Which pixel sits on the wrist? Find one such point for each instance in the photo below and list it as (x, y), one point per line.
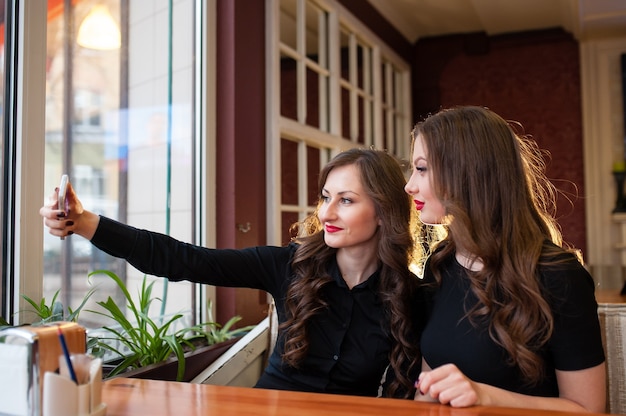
(484, 396)
(88, 225)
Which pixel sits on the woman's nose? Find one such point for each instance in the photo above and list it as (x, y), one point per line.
(327, 212)
(410, 187)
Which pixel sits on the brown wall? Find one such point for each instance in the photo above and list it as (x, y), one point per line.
(532, 78)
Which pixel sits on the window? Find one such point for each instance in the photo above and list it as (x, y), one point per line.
(332, 85)
(121, 120)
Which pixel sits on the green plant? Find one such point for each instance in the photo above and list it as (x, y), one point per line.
(3, 323)
(148, 340)
(54, 311)
(214, 332)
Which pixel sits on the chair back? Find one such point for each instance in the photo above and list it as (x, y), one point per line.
(242, 364)
(613, 323)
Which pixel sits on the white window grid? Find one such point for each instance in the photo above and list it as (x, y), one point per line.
(378, 110)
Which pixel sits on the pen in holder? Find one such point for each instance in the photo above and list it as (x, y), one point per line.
(62, 396)
(66, 355)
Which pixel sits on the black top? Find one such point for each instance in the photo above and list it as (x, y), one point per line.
(575, 344)
(349, 342)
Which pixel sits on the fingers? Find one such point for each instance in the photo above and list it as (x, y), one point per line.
(456, 393)
(464, 399)
(50, 210)
(429, 382)
(58, 226)
(55, 219)
(448, 385)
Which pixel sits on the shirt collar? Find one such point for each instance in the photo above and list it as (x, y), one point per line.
(371, 282)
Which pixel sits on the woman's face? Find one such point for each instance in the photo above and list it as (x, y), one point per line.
(419, 186)
(347, 213)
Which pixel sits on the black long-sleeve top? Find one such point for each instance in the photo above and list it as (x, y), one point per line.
(349, 341)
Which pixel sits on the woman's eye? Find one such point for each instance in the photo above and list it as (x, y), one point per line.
(324, 198)
(421, 169)
(346, 201)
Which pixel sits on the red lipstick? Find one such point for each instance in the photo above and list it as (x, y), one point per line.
(331, 228)
(418, 204)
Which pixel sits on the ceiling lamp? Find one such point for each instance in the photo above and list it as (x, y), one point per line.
(99, 31)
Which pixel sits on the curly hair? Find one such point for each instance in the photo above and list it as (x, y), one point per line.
(383, 180)
(500, 208)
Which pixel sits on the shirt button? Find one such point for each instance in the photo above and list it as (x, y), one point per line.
(335, 357)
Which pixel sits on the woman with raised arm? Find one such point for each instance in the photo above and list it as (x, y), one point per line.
(342, 288)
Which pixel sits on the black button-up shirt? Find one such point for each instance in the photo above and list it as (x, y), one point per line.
(349, 342)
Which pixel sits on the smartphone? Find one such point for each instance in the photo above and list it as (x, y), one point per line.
(62, 194)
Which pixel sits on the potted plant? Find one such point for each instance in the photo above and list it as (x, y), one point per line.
(54, 312)
(149, 348)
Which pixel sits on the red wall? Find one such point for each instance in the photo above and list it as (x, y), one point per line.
(240, 147)
(532, 78)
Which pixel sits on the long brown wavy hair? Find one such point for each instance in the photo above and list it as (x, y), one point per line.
(500, 209)
(383, 181)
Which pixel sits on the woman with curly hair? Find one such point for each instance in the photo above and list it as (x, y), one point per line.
(342, 288)
(513, 320)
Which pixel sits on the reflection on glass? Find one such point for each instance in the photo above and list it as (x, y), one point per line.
(113, 125)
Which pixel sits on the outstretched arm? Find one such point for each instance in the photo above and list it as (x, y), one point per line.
(581, 390)
(154, 253)
(75, 220)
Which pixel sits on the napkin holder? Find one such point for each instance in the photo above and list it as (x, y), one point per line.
(63, 397)
(26, 354)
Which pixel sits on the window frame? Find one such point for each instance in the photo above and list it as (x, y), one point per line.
(280, 127)
(24, 263)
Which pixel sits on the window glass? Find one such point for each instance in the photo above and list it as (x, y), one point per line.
(119, 114)
(395, 117)
(300, 167)
(304, 63)
(357, 92)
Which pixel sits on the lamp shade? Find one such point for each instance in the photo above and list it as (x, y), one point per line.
(98, 30)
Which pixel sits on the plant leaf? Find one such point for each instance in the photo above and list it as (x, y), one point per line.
(73, 314)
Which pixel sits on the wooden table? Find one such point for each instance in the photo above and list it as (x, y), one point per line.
(126, 397)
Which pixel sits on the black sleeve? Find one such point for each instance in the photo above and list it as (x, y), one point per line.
(576, 342)
(264, 268)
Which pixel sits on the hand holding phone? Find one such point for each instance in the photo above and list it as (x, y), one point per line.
(62, 194)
